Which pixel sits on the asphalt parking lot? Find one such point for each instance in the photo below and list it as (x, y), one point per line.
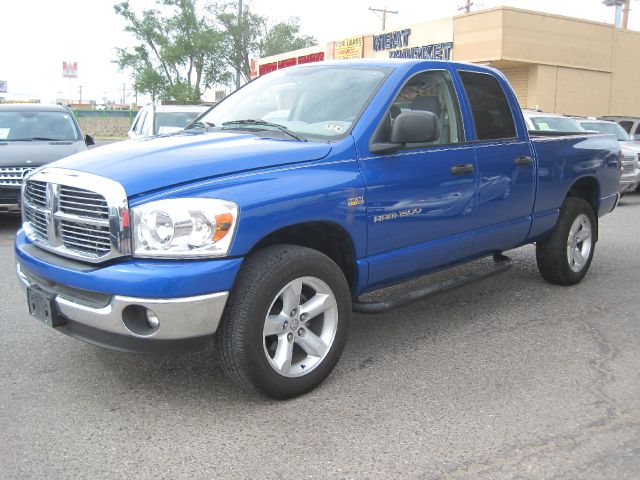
(509, 377)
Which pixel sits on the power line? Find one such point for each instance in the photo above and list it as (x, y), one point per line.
(384, 12)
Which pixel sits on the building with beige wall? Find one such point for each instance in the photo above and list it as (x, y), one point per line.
(557, 64)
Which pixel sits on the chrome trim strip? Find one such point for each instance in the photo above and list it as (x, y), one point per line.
(180, 318)
(113, 193)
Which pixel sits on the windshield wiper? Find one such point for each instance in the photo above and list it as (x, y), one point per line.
(200, 124)
(262, 123)
(44, 139)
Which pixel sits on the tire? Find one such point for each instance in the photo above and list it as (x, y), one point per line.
(284, 354)
(565, 256)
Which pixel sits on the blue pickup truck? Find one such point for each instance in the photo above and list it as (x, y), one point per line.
(261, 226)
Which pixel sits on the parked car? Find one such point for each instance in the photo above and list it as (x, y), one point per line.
(32, 135)
(630, 179)
(154, 120)
(546, 122)
(262, 237)
(631, 125)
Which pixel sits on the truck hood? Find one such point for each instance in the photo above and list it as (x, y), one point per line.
(630, 146)
(154, 163)
(36, 153)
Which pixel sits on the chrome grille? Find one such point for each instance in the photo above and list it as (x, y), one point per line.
(38, 221)
(629, 167)
(62, 216)
(83, 203)
(36, 193)
(94, 241)
(13, 176)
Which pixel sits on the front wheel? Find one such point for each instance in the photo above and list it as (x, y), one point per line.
(565, 256)
(286, 321)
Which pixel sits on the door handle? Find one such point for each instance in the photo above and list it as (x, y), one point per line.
(462, 169)
(523, 161)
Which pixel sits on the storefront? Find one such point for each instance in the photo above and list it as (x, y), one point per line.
(556, 64)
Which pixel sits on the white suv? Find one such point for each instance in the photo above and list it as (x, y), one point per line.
(163, 119)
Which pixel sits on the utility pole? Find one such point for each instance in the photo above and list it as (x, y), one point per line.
(467, 7)
(239, 45)
(123, 88)
(625, 14)
(384, 12)
(80, 93)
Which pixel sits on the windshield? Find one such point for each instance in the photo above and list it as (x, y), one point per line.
(607, 127)
(309, 101)
(169, 122)
(556, 124)
(30, 125)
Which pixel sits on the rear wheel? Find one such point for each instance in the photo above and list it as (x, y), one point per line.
(565, 256)
(286, 321)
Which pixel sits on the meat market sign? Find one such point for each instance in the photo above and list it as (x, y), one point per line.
(397, 43)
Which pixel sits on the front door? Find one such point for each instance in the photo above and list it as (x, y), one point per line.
(421, 201)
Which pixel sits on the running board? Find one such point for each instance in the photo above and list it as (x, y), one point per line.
(501, 264)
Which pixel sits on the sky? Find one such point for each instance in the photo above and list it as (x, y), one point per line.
(38, 35)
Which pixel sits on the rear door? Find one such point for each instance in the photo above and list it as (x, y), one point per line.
(421, 199)
(505, 163)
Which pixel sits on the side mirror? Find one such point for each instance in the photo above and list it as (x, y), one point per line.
(417, 126)
(88, 139)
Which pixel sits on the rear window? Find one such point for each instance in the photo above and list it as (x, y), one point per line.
(626, 125)
(33, 125)
(492, 115)
(556, 124)
(607, 127)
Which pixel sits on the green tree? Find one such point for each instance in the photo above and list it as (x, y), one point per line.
(178, 54)
(253, 38)
(284, 37)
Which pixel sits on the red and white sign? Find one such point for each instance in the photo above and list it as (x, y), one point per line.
(289, 62)
(70, 70)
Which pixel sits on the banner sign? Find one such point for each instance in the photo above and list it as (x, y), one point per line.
(70, 70)
(289, 62)
(348, 48)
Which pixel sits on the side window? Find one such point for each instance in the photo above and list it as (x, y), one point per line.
(637, 132)
(140, 123)
(626, 125)
(491, 112)
(433, 92)
(136, 121)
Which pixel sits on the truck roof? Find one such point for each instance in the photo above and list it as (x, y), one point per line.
(32, 107)
(397, 63)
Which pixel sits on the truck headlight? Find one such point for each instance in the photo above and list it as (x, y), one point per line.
(183, 228)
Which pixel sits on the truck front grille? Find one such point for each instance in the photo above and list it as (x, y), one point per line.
(38, 221)
(77, 201)
(61, 216)
(629, 167)
(13, 176)
(94, 241)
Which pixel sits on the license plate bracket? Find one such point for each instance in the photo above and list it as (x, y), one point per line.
(43, 307)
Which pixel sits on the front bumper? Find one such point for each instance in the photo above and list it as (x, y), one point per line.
(629, 181)
(9, 199)
(118, 322)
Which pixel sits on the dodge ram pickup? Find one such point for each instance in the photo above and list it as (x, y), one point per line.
(261, 226)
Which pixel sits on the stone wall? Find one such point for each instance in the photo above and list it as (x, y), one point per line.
(104, 126)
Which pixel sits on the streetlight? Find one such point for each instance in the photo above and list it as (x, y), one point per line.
(622, 17)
